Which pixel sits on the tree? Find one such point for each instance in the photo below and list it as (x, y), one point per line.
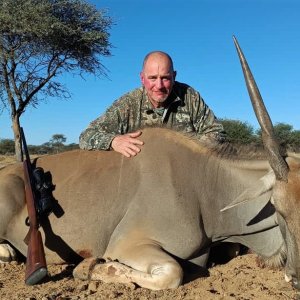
(239, 132)
(295, 140)
(57, 142)
(286, 135)
(40, 40)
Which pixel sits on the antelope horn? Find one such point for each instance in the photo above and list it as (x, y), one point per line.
(276, 161)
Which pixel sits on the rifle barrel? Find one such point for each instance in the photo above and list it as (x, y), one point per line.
(36, 267)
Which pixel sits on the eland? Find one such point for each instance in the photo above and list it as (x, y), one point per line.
(149, 219)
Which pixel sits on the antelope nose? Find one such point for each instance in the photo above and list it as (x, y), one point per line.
(296, 283)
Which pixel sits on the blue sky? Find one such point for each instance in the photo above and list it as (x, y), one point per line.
(198, 35)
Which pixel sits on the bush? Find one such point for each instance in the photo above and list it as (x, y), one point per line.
(239, 132)
(7, 147)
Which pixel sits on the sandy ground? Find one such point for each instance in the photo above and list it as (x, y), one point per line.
(241, 278)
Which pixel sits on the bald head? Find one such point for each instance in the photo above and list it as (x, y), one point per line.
(158, 56)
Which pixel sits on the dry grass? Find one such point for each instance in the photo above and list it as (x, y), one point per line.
(7, 160)
(10, 159)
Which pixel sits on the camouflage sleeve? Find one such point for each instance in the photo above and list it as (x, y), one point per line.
(101, 132)
(95, 137)
(204, 120)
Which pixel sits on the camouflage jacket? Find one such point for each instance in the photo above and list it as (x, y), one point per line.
(186, 112)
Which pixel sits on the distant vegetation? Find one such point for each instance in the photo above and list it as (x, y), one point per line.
(238, 132)
(55, 145)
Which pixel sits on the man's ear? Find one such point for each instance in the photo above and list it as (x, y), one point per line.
(142, 77)
(174, 75)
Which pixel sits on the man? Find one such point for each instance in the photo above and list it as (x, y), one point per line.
(160, 101)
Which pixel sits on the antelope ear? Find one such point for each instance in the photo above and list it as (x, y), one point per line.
(265, 184)
(293, 161)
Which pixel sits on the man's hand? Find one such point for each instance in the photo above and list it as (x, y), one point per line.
(127, 144)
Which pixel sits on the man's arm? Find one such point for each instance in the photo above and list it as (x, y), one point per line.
(99, 134)
(205, 122)
(110, 132)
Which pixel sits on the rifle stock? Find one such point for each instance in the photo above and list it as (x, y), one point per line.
(36, 267)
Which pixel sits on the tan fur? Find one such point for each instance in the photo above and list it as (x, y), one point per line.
(143, 213)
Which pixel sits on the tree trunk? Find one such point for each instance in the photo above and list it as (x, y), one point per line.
(17, 136)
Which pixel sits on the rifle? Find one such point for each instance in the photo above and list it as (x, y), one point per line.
(36, 267)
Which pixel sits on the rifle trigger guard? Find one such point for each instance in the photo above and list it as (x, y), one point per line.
(27, 223)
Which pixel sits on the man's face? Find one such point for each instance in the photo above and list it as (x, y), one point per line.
(158, 79)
